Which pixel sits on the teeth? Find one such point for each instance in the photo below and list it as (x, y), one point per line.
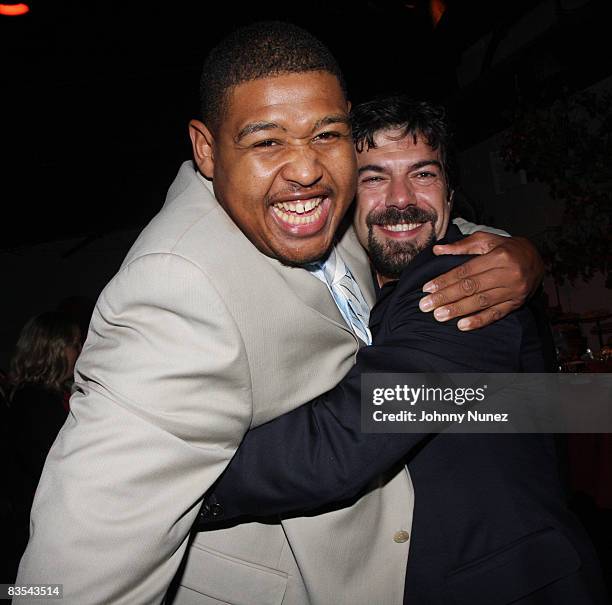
(402, 226)
(282, 210)
(294, 219)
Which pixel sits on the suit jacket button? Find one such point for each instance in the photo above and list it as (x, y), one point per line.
(401, 536)
(205, 512)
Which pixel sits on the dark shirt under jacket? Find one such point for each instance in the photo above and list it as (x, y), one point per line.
(490, 525)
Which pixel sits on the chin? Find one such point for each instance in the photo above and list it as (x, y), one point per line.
(299, 258)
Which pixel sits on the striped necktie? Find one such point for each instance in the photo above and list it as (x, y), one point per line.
(347, 295)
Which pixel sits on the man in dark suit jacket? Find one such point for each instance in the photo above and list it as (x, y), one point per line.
(490, 524)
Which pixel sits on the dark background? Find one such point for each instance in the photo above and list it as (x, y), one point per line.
(96, 95)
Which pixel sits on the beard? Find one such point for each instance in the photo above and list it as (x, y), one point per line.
(391, 257)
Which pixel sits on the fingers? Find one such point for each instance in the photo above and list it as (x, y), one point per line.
(476, 293)
(516, 254)
(486, 317)
(458, 291)
(476, 303)
(469, 275)
(480, 242)
(487, 287)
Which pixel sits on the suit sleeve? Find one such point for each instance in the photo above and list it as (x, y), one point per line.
(317, 454)
(162, 401)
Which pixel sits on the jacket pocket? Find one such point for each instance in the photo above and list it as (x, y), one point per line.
(230, 580)
(515, 571)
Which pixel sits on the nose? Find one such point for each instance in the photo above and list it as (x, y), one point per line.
(400, 193)
(302, 166)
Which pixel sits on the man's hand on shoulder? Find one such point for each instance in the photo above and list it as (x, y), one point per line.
(486, 288)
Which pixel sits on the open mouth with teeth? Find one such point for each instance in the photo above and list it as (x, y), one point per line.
(401, 227)
(401, 230)
(302, 217)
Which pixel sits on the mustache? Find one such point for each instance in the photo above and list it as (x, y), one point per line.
(392, 216)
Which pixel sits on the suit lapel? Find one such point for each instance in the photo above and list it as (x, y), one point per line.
(312, 292)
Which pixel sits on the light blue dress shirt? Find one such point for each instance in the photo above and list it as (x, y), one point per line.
(349, 299)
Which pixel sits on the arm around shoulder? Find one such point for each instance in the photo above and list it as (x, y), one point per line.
(317, 454)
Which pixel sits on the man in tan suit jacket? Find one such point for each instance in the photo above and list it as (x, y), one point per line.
(204, 333)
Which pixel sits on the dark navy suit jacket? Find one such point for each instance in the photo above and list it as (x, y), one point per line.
(490, 525)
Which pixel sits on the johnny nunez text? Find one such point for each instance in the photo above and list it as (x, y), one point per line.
(459, 417)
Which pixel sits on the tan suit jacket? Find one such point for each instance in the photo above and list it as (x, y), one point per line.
(196, 339)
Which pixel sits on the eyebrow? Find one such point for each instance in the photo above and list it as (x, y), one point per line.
(424, 163)
(333, 119)
(254, 127)
(415, 166)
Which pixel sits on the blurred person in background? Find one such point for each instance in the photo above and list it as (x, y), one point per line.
(40, 379)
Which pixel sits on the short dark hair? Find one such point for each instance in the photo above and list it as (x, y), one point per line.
(260, 50)
(414, 118)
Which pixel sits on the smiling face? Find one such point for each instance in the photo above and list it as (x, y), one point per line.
(282, 162)
(403, 203)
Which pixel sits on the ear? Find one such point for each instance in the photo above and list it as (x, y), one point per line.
(202, 142)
